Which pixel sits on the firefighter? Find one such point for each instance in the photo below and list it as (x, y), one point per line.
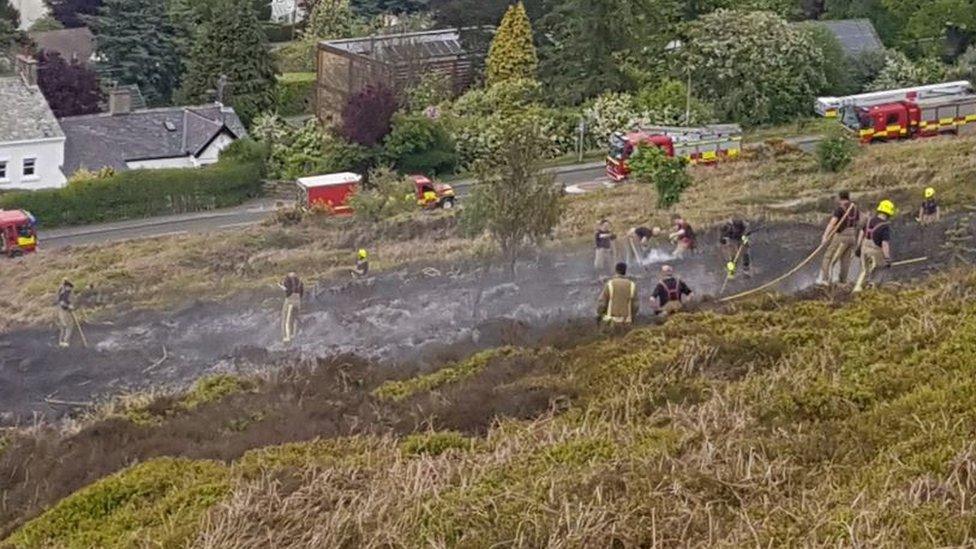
(929, 212)
(429, 199)
(874, 244)
(846, 220)
(683, 237)
(603, 255)
(66, 320)
(734, 241)
(637, 239)
(618, 301)
(669, 293)
(362, 264)
(294, 291)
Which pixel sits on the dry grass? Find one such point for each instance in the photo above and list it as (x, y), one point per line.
(779, 423)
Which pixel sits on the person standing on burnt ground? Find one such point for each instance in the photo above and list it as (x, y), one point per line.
(604, 238)
(291, 307)
(734, 241)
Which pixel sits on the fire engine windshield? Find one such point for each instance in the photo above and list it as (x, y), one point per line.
(618, 147)
(855, 118)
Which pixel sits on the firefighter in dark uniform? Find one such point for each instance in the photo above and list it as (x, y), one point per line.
(735, 246)
(638, 237)
(361, 268)
(874, 244)
(929, 212)
(66, 321)
(683, 237)
(669, 293)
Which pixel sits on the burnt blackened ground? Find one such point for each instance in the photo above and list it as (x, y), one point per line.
(414, 318)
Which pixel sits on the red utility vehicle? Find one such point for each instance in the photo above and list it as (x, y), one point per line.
(17, 233)
(908, 119)
(331, 191)
(433, 195)
(704, 144)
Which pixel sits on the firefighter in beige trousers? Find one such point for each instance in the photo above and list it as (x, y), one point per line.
(66, 322)
(294, 290)
(875, 245)
(618, 303)
(604, 254)
(845, 221)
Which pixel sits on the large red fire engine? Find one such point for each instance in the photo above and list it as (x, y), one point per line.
(17, 233)
(702, 144)
(908, 119)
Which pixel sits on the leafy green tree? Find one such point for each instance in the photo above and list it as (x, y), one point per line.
(512, 53)
(899, 71)
(372, 8)
(388, 194)
(9, 21)
(419, 144)
(515, 202)
(331, 19)
(836, 153)
(588, 47)
(754, 67)
(231, 43)
(650, 165)
(136, 44)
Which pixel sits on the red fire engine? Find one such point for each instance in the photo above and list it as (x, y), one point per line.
(908, 119)
(17, 233)
(702, 144)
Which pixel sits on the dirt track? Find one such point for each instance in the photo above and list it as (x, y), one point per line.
(397, 318)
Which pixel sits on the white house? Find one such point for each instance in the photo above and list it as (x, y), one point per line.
(31, 141)
(126, 139)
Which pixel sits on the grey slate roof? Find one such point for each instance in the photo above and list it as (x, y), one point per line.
(73, 44)
(856, 36)
(410, 46)
(98, 140)
(24, 113)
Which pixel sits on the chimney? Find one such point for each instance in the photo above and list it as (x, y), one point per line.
(119, 101)
(27, 69)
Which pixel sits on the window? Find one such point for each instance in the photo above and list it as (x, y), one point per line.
(29, 166)
(892, 119)
(3, 170)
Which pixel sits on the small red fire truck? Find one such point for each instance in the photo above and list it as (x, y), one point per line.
(17, 233)
(702, 144)
(907, 119)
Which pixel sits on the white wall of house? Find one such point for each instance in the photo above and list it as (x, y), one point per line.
(212, 152)
(48, 156)
(209, 155)
(160, 163)
(30, 11)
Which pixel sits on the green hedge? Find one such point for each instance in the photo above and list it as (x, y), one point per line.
(277, 33)
(142, 193)
(296, 93)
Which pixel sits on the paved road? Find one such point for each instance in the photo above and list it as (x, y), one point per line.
(255, 212)
(231, 218)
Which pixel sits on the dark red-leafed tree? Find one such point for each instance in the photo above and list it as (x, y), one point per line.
(72, 13)
(70, 88)
(366, 116)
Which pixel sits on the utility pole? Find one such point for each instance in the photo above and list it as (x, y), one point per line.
(688, 100)
(221, 86)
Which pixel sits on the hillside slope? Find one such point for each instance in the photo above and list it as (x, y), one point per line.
(821, 421)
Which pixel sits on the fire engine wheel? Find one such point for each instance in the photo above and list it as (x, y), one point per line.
(16, 253)
(448, 204)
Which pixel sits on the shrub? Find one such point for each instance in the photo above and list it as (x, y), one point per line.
(162, 500)
(609, 113)
(512, 54)
(418, 144)
(649, 164)
(836, 153)
(366, 116)
(278, 33)
(143, 193)
(295, 93)
(387, 195)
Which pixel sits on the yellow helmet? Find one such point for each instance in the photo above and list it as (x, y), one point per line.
(887, 207)
(929, 192)
(362, 253)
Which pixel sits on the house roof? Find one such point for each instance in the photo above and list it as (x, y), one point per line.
(410, 46)
(856, 36)
(99, 140)
(25, 115)
(72, 44)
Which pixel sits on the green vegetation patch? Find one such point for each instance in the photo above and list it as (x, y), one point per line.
(404, 389)
(296, 93)
(435, 444)
(161, 500)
